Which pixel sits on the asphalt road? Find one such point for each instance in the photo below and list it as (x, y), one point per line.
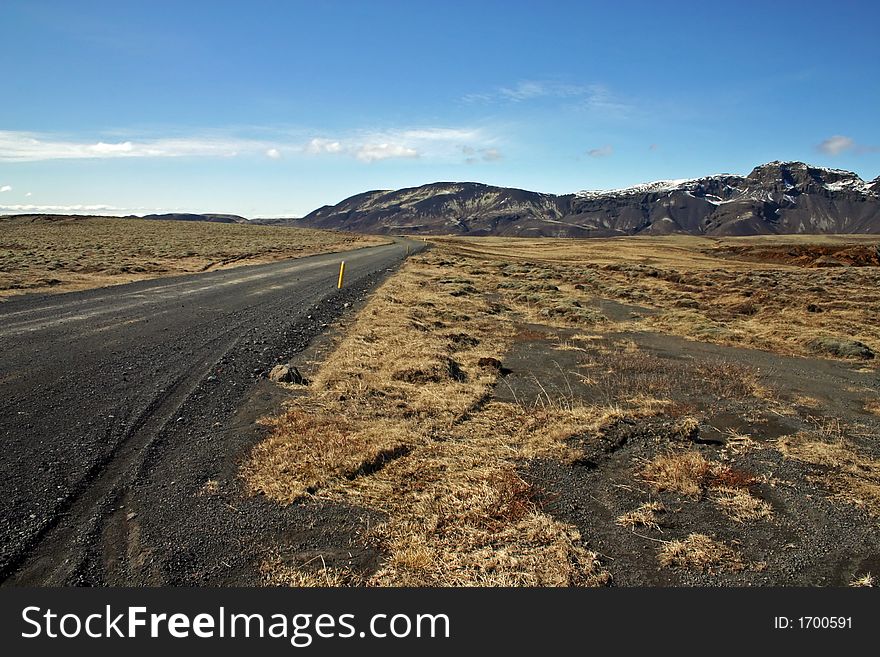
(116, 406)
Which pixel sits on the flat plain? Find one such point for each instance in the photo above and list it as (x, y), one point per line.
(61, 253)
(635, 411)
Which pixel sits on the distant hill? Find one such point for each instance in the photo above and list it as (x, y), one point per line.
(272, 221)
(775, 198)
(171, 216)
(184, 216)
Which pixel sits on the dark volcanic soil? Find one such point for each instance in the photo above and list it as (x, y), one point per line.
(812, 538)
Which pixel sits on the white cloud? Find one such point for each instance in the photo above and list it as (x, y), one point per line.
(60, 208)
(485, 155)
(317, 146)
(529, 90)
(82, 208)
(30, 147)
(836, 145)
(524, 90)
(602, 151)
(440, 134)
(29, 194)
(479, 98)
(367, 146)
(442, 143)
(109, 149)
(383, 151)
(594, 97)
(6, 188)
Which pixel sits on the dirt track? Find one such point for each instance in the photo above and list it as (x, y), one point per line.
(118, 406)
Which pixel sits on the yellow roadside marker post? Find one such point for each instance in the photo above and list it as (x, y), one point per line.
(341, 274)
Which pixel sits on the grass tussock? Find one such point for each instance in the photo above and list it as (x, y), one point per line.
(307, 452)
(548, 431)
(700, 552)
(646, 515)
(684, 472)
(741, 505)
(864, 581)
(850, 475)
(806, 401)
(691, 474)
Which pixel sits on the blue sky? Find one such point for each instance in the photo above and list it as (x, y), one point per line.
(276, 108)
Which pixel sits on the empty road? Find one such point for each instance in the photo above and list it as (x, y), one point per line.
(117, 404)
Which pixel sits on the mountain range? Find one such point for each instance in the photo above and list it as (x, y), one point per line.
(775, 198)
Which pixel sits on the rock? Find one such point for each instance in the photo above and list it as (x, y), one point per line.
(287, 374)
(842, 348)
(438, 371)
(687, 302)
(747, 307)
(491, 363)
(828, 261)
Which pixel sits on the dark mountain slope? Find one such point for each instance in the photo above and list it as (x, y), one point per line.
(779, 197)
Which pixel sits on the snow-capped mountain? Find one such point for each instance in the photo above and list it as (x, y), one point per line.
(778, 197)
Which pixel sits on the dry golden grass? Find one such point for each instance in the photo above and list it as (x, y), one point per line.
(644, 516)
(738, 443)
(847, 473)
(276, 573)
(806, 401)
(684, 472)
(648, 406)
(864, 581)
(873, 406)
(615, 371)
(740, 505)
(460, 515)
(700, 552)
(695, 287)
(66, 253)
(545, 432)
(691, 474)
(398, 420)
(668, 250)
(306, 452)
